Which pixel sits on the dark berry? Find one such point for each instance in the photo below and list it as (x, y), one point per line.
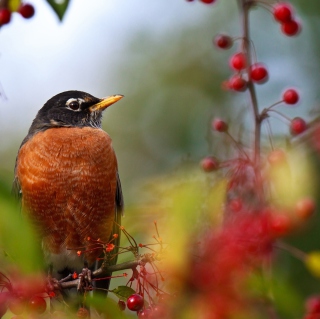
(291, 28)
(121, 305)
(37, 305)
(26, 10)
(219, 125)
(223, 41)
(290, 96)
(209, 164)
(5, 16)
(238, 61)
(259, 73)
(208, 1)
(298, 126)
(135, 302)
(282, 12)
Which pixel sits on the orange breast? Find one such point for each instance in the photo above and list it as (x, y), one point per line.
(68, 182)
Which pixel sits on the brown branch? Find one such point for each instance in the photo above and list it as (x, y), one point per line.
(102, 271)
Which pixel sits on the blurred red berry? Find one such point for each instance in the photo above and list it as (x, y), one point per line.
(305, 207)
(277, 157)
(237, 83)
(235, 205)
(26, 10)
(280, 224)
(259, 73)
(209, 164)
(223, 41)
(238, 61)
(219, 125)
(298, 126)
(121, 305)
(83, 313)
(17, 306)
(290, 96)
(312, 304)
(282, 12)
(5, 16)
(159, 312)
(146, 313)
(135, 302)
(37, 305)
(208, 1)
(291, 28)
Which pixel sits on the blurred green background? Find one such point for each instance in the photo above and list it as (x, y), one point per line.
(159, 54)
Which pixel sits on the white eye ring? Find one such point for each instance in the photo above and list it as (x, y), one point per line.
(74, 104)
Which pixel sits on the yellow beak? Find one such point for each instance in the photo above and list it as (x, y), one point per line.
(105, 102)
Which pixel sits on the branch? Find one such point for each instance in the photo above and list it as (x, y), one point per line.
(102, 272)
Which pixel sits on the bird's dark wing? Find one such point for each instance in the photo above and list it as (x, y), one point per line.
(104, 284)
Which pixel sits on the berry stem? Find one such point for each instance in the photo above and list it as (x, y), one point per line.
(244, 9)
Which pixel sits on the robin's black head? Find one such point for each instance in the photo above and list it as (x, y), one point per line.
(71, 109)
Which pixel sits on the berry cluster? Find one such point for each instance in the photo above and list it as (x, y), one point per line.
(283, 13)
(26, 10)
(23, 295)
(248, 72)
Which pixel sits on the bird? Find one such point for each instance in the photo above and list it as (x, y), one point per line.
(66, 176)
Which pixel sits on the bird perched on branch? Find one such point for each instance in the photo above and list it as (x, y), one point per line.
(67, 176)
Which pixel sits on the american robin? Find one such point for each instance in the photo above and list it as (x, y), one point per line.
(67, 176)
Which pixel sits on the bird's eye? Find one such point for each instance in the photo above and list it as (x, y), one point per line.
(74, 105)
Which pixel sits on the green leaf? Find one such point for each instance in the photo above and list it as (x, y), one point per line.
(59, 7)
(18, 244)
(105, 306)
(123, 292)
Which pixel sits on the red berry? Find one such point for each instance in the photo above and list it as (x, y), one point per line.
(259, 73)
(17, 306)
(223, 41)
(121, 305)
(236, 205)
(208, 1)
(291, 28)
(298, 126)
(277, 157)
(290, 96)
(37, 305)
(135, 302)
(238, 61)
(282, 12)
(305, 207)
(219, 125)
(237, 83)
(159, 312)
(280, 225)
(209, 164)
(5, 16)
(26, 10)
(312, 304)
(145, 313)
